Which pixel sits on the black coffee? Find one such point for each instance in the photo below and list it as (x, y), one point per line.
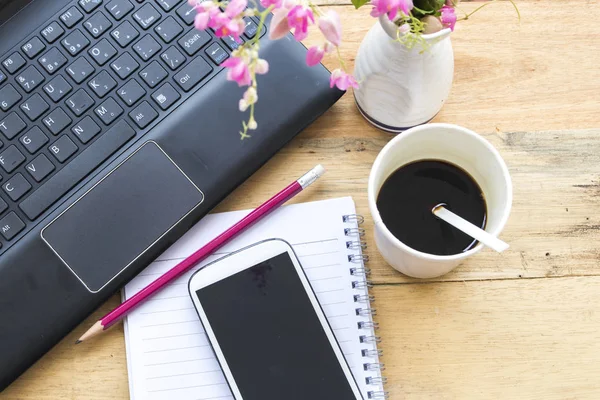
(407, 197)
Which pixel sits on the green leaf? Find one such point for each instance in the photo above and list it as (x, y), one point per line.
(359, 3)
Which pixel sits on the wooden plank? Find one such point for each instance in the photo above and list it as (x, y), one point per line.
(536, 75)
(510, 339)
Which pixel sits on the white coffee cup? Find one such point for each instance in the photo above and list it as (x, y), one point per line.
(460, 147)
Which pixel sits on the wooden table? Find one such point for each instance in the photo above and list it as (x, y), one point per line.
(521, 325)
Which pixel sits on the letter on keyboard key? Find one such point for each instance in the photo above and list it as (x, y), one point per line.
(16, 187)
(12, 125)
(11, 158)
(143, 114)
(34, 139)
(86, 129)
(193, 73)
(39, 168)
(76, 170)
(11, 225)
(57, 88)
(34, 106)
(63, 148)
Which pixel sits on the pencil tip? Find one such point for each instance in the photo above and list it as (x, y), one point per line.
(78, 341)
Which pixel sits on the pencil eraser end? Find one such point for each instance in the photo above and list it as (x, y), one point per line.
(319, 170)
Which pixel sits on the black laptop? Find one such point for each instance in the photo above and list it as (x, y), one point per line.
(118, 132)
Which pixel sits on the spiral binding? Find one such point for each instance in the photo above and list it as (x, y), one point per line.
(363, 301)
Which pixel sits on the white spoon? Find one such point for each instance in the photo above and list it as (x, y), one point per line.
(465, 226)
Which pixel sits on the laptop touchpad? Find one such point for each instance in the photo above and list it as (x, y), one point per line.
(117, 220)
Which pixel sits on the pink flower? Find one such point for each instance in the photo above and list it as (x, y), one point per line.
(235, 8)
(234, 27)
(279, 24)
(448, 17)
(342, 80)
(237, 71)
(390, 7)
(268, 3)
(314, 55)
(330, 26)
(298, 19)
(201, 21)
(206, 11)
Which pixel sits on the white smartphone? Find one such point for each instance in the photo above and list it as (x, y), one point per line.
(267, 328)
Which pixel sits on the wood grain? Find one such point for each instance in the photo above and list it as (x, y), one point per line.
(507, 339)
(521, 325)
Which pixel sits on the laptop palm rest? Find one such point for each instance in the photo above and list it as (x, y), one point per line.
(119, 218)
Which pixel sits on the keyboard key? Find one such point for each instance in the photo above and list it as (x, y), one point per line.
(89, 5)
(251, 28)
(102, 84)
(153, 74)
(71, 17)
(168, 5)
(14, 62)
(3, 206)
(102, 51)
(80, 102)
(8, 97)
(11, 158)
(108, 111)
(231, 43)
(124, 34)
(97, 24)
(12, 125)
(168, 30)
(143, 115)
(57, 121)
(165, 96)
(33, 140)
(124, 66)
(57, 88)
(146, 16)
(193, 73)
(131, 92)
(11, 225)
(216, 53)
(119, 8)
(86, 129)
(75, 42)
(72, 173)
(16, 187)
(30, 78)
(80, 70)
(39, 168)
(34, 107)
(63, 148)
(193, 41)
(147, 47)
(52, 60)
(173, 58)
(187, 13)
(33, 47)
(52, 32)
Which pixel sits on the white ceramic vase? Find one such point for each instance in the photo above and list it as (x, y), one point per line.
(401, 87)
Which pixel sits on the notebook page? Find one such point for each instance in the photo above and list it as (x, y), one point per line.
(169, 355)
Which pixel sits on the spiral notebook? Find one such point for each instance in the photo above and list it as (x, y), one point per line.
(168, 354)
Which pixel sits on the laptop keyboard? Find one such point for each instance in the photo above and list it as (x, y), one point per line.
(84, 86)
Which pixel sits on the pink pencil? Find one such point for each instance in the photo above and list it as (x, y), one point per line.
(270, 205)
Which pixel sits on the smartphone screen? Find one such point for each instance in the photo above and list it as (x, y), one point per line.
(271, 336)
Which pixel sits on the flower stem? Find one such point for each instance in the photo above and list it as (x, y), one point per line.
(467, 15)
